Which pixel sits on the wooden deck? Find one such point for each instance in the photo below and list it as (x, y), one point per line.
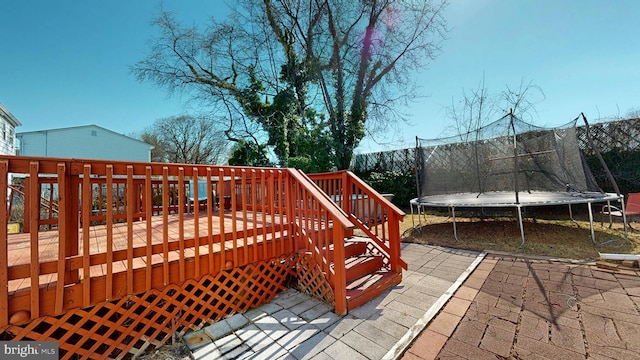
(188, 228)
(126, 256)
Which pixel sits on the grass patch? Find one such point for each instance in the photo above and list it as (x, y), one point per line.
(550, 236)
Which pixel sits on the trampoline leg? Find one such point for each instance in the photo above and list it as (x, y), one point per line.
(624, 217)
(609, 212)
(571, 214)
(413, 221)
(521, 225)
(593, 234)
(455, 230)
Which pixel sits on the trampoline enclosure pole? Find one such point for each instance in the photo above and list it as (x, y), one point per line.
(418, 167)
(595, 149)
(612, 180)
(515, 159)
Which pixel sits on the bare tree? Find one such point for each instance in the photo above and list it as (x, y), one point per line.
(522, 101)
(633, 113)
(350, 62)
(479, 106)
(187, 139)
(476, 108)
(159, 151)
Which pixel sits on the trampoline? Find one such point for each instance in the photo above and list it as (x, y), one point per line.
(508, 200)
(507, 164)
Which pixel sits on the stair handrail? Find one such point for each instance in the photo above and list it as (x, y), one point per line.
(43, 201)
(397, 211)
(341, 227)
(326, 196)
(394, 214)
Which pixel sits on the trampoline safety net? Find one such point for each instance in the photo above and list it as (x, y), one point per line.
(506, 155)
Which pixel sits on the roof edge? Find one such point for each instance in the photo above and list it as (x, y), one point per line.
(9, 116)
(79, 127)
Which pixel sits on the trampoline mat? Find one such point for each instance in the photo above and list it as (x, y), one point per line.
(509, 199)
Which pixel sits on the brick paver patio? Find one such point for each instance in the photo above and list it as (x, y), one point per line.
(520, 308)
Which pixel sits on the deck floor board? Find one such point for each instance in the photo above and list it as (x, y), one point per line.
(19, 251)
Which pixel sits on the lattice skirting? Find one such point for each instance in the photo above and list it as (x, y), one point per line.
(312, 281)
(131, 325)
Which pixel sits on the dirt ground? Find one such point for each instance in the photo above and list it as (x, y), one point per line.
(546, 234)
(169, 351)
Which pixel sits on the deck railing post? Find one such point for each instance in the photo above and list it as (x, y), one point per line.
(346, 193)
(394, 241)
(34, 223)
(130, 201)
(62, 239)
(340, 284)
(4, 246)
(70, 192)
(290, 208)
(26, 212)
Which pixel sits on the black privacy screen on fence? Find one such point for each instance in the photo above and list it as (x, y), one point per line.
(508, 155)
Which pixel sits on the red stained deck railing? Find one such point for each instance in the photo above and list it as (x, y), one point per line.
(371, 212)
(97, 231)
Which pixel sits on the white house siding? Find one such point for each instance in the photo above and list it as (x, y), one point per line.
(8, 124)
(86, 142)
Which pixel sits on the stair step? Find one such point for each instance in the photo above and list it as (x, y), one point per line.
(364, 289)
(359, 266)
(352, 248)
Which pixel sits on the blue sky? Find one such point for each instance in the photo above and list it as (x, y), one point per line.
(66, 63)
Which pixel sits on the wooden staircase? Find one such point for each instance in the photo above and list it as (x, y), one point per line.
(366, 274)
(367, 264)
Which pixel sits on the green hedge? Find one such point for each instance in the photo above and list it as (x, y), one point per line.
(624, 166)
(401, 184)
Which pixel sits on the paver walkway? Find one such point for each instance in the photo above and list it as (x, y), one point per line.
(522, 308)
(296, 326)
(451, 304)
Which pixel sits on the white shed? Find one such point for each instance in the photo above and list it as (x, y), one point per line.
(85, 142)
